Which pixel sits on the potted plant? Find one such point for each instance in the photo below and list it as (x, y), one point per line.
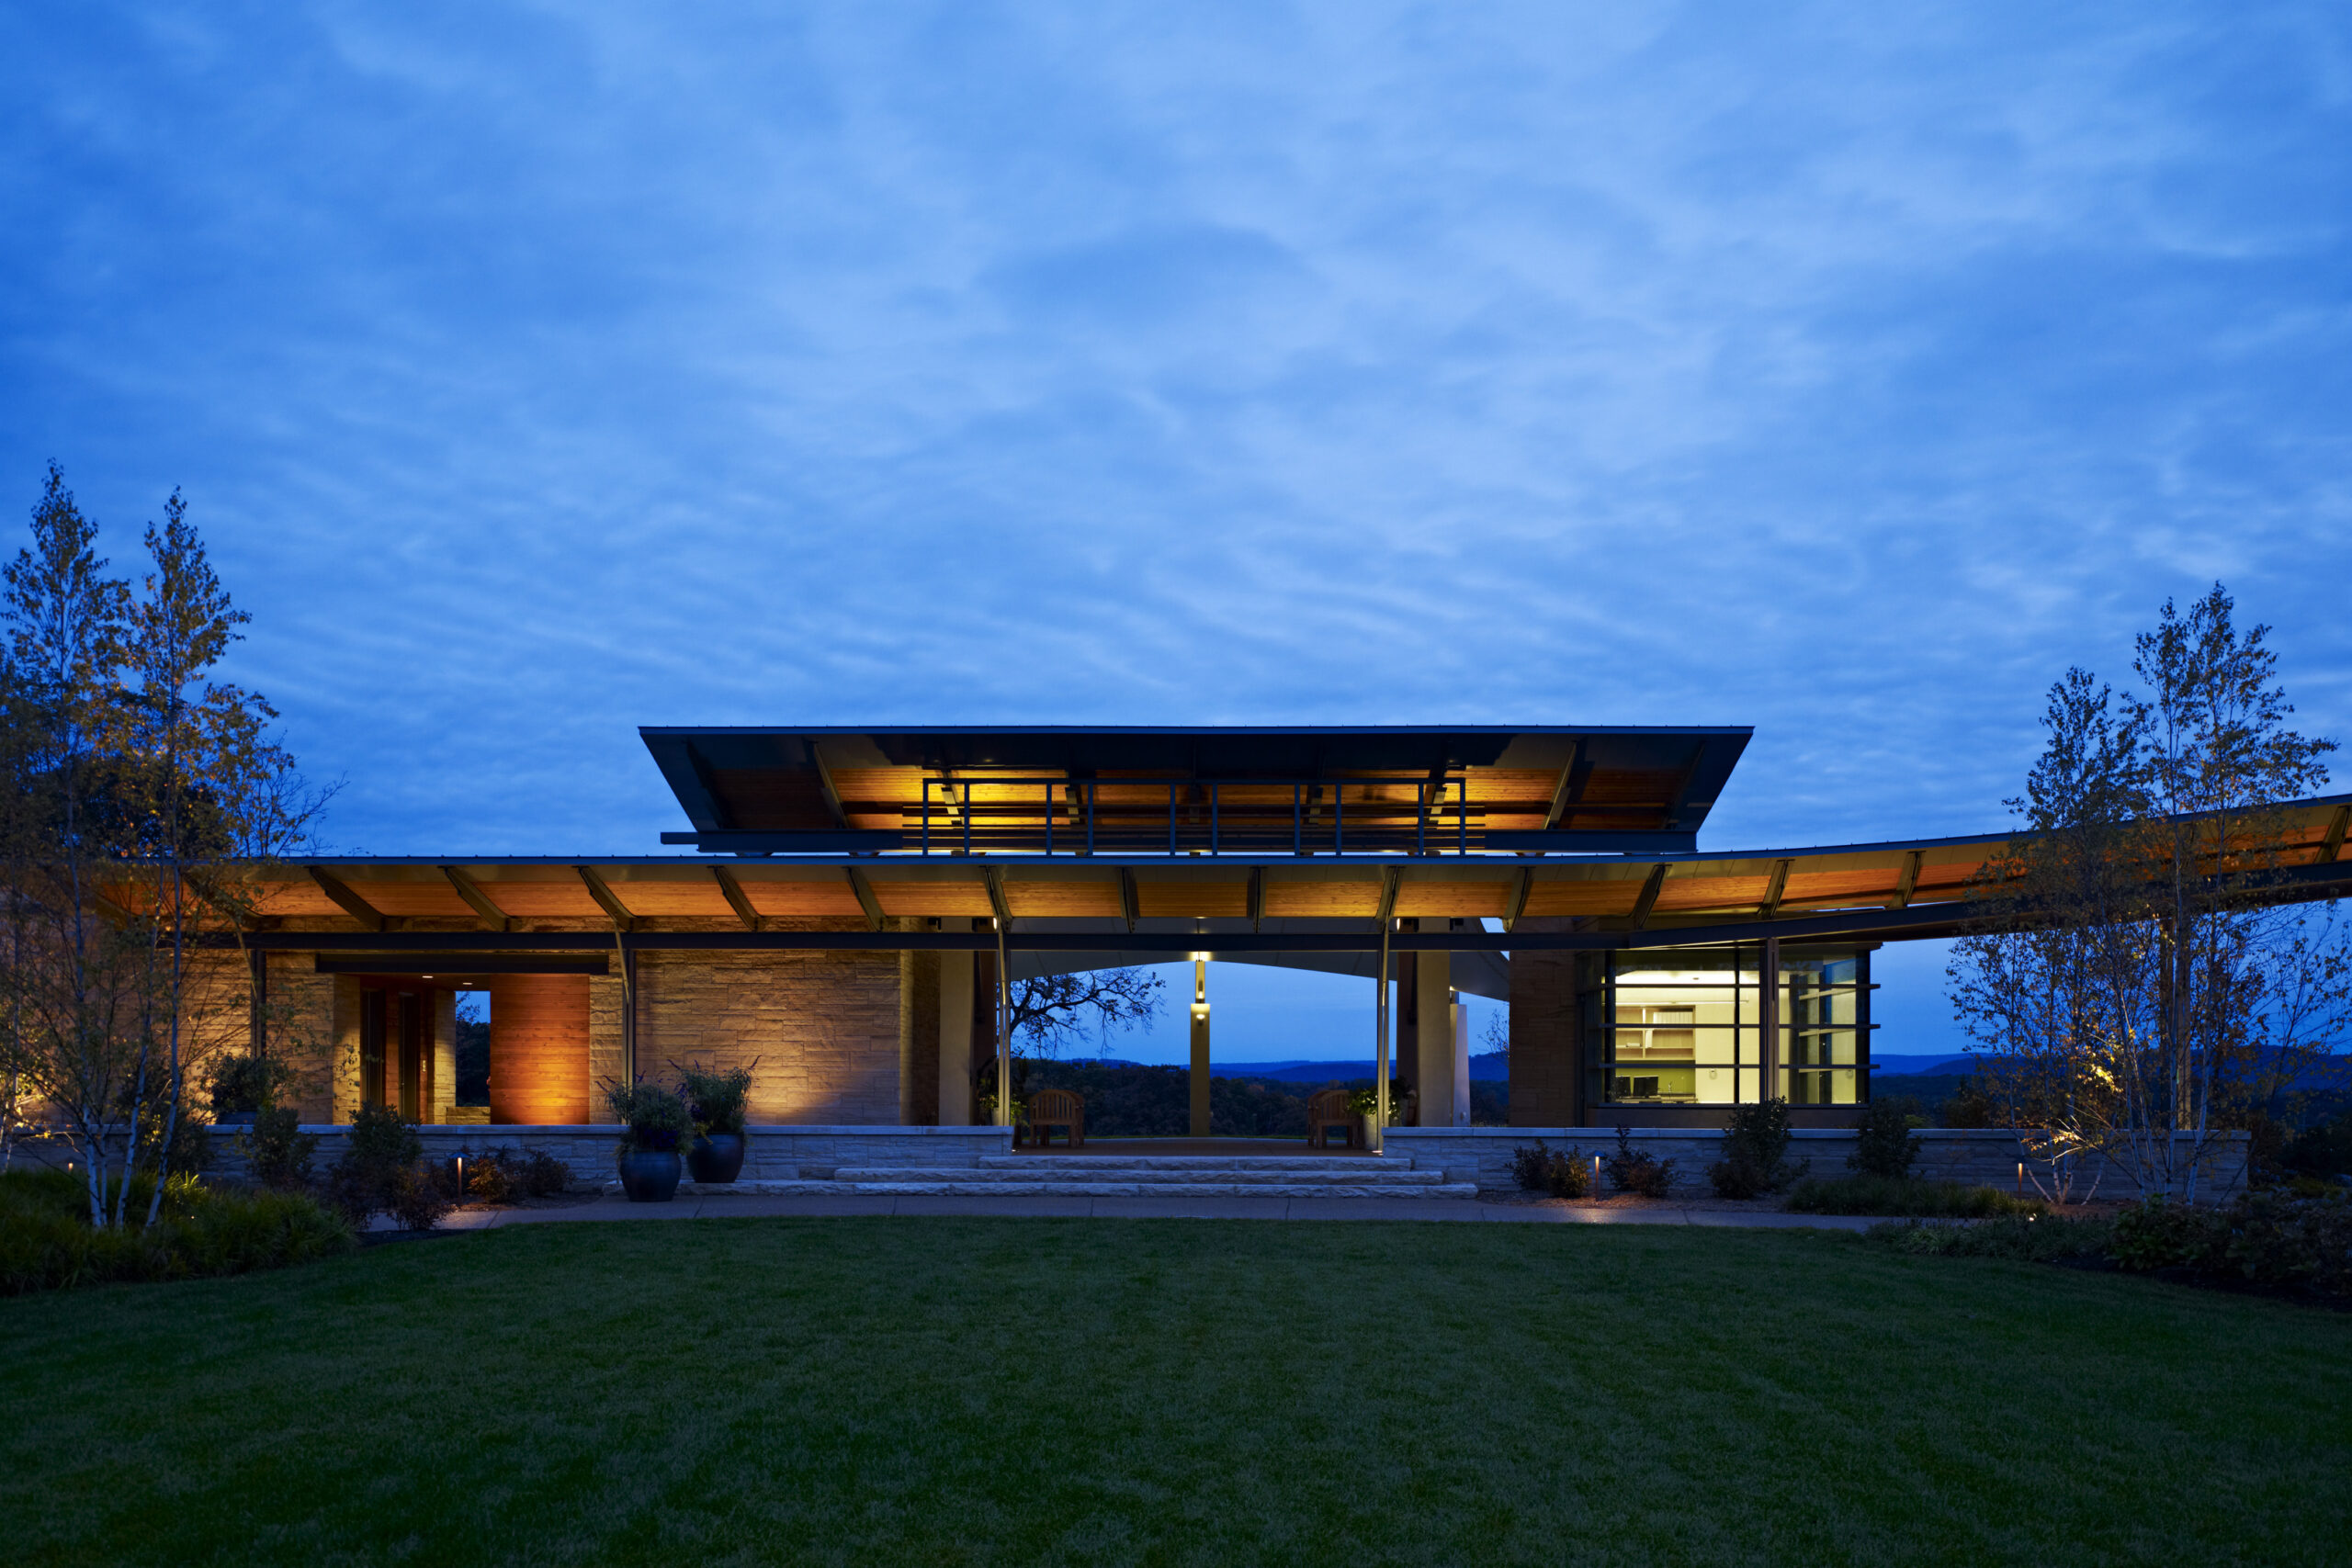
(715, 1100)
(242, 1085)
(657, 1127)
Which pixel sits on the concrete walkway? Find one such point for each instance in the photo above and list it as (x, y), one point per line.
(750, 1206)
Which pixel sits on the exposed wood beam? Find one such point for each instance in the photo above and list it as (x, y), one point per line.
(1129, 900)
(606, 899)
(2334, 849)
(736, 899)
(1389, 877)
(995, 879)
(825, 783)
(1523, 884)
(1561, 795)
(1643, 905)
(479, 902)
(352, 904)
(1257, 896)
(866, 899)
(1910, 881)
(1771, 905)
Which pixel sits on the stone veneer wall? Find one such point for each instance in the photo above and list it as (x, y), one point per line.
(777, 1153)
(1978, 1157)
(822, 1028)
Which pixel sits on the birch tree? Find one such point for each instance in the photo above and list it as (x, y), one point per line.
(2143, 982)
(146, 790)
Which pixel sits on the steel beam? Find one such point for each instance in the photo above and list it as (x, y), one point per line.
(737, 899)
(479, 902)
(1129, 899)
(2332, 849)
(995, 880)
(1521, 886)
(866, 899)
(352, 904)
(1648, 899)
(1910, 881)
(606, 899)
(1772, 892)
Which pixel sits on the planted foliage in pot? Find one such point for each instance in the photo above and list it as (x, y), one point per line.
(716, 1102)
(243, 1085)
(657, 1129)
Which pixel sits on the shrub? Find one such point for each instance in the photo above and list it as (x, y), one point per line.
(657, 1119)
(2031, 1238)
(1638, 1170)
(46, 1241)
(373, 1176)
(1541, 1170)
(1904, 1196)
(1756, 1147)
(2274, 1239)
(503, 1174)
(2323, 1150)
(276, 1149)
(246, 1082)
(415, 1200)
(1886, 1145)
(2158, 1233)
(715, 1099)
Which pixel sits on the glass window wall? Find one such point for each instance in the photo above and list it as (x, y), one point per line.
(1686, 1028)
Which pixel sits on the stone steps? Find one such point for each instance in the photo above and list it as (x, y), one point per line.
(1091, 1173)
(1114, 1188)
(1219, 1164)
(1116, 1176)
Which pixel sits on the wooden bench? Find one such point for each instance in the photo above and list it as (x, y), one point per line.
(1328, 1108)
(1052, 1107)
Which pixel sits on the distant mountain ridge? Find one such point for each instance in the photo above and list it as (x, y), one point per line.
(1490, 1067)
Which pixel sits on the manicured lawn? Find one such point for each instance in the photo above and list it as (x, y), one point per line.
(1044, 1390)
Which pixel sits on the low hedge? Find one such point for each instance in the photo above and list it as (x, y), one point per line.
(2032, 1238)
(1904, 1196)
(47, 1242)
(2272, 1240)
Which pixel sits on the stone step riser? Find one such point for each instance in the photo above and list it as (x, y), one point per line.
(1116, 1174)
(936, 1189)
(1149, 1190)
(1359, 1163)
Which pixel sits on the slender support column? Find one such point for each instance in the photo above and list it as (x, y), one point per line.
(1200, 1078)
(1380, 1048)
(955, 1005)
(1459, 1034)
(1768, 1023)
(1433, 1040)
(1004, 1034)
(629, 1008)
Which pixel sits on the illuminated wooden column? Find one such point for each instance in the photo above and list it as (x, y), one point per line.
(1200, 1080)
(538, 1049)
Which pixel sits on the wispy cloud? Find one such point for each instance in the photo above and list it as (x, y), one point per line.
(538, 372)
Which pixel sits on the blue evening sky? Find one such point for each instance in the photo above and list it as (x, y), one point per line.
(1848, 371)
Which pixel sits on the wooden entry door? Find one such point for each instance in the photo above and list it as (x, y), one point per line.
(411, 1055)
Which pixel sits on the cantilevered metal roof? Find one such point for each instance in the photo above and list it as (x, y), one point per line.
(1307, 791)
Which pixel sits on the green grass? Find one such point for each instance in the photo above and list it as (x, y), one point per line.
(991, 1390)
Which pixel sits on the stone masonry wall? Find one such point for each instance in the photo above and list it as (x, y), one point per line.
(776, 1153)
(819, 1030)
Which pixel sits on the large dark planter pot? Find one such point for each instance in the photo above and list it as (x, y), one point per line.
(718, 1157)
(649, 1176)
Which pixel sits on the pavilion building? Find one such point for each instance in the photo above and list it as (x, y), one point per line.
(853, 906)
